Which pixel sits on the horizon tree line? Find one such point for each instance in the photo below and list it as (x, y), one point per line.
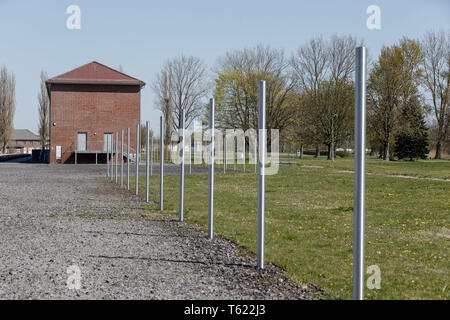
(310, 95)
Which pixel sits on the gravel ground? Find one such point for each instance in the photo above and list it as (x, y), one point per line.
(53, 217)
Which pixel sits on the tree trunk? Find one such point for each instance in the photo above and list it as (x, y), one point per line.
(438, 150)
(317, 152)
(386, 151)
(301, 151)
(330, 152)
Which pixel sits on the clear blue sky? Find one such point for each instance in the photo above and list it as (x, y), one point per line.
(142, 35)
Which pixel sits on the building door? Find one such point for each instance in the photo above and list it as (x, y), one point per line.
(107, 138)
(81, 141)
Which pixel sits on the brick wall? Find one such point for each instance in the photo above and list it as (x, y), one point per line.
(28, 145)
(94, 109)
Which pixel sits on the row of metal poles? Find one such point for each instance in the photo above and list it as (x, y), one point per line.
(113, 162)
(359, 183)
(113, 167)
(113, 152)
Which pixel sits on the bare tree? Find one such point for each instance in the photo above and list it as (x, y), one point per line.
(162, 88)
(187, 89)
(7, 106)
(341, 57)
(337, 114)
(310, 64)
(323, 71)
(44, 108)
(436, 66)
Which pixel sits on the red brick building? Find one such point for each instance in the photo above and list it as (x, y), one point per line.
(87, 106)
(23, 141)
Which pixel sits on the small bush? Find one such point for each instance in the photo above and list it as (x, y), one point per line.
(342, 154)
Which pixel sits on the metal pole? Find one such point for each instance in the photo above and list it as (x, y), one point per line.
(181, 205)
(211, 172)
(256, 154)
(332, 138)
(117, 149)
(128, 158)
(107, 159)
(234, 154)
(136, 174)
(161, 164)
(121, 158)
(261, 163)
(244, 154)
(147, 161)
(76, 148)
(359, 186)
(151, 158)
(190, 154)
(225, 152)
(112, 157)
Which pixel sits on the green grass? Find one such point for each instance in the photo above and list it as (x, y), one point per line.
(421, 168)
(309, 222)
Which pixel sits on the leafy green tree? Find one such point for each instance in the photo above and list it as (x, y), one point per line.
(393, 82)
(412, 139)
(411, 146)
(236, 91)
(334, 113)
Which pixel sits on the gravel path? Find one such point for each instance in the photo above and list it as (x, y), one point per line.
(53, 217)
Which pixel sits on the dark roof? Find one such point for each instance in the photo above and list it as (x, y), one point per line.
(95, 73)
(15, 146)
(24, 134)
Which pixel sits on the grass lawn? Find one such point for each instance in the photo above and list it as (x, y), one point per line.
(309, 221)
